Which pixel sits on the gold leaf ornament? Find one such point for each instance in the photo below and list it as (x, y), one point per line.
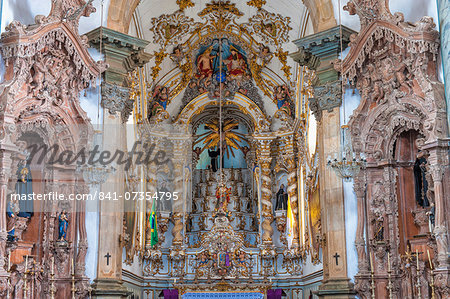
(183, 4)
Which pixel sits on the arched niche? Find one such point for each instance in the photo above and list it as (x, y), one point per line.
(258, 120)
(413, 192)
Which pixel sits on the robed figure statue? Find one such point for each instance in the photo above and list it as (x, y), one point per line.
(420, 182)
(223, 198)
(24, 188)
(12, 209)
(282, 199)
(164, 198)
(63, 225)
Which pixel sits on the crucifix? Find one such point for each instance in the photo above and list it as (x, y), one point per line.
(107, 258)
(336, 256)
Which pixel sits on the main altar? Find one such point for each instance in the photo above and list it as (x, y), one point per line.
(236, 140)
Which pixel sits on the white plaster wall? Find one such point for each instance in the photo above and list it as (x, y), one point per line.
(25, 11)
(351, 102)
(92, 230)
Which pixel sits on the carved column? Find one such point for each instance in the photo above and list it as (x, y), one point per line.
(8, 150)
(326, 47)
(440, 173)
(119, 49)
(5, 167)
(289, 157)
(440, 229)
(264, 157)
(359, 187)
(181, 145)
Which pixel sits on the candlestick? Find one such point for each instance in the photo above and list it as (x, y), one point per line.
(73, 286)
(389, 286)
(8, 281)
(418, 284)
(371, 264)
(73, 268)
(53, 265)
(432, 284)
(429, 259)
(372, 285)
(25, 288)
(389, 263)
(417, 259)
(26, 263)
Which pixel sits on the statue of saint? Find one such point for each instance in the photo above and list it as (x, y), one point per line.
(63, 225)
(282, 98)
(12, 210)
(204, 64)
(164, 200)
(160, 99)
(224, 257)
(24, 187)
(282, 199)
(236, 65)
(223, 198)
(420, 182)
(379, 230)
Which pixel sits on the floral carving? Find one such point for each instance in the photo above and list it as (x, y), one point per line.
(270, 27)
(169, 29)
(183, 4)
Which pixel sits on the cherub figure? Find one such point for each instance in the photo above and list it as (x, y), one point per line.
(264, 56)
(178, 56)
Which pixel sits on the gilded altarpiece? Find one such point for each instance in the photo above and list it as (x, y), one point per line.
(204, 243)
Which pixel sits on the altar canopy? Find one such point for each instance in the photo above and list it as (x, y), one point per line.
(223, 295)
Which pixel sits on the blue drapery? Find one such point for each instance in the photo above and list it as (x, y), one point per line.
(223, 296)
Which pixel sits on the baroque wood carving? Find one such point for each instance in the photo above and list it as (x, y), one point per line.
(47, 66)
(393, 64)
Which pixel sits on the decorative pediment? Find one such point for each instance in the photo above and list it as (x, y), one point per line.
(245, 54)
(49, 66)
(393, 64)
